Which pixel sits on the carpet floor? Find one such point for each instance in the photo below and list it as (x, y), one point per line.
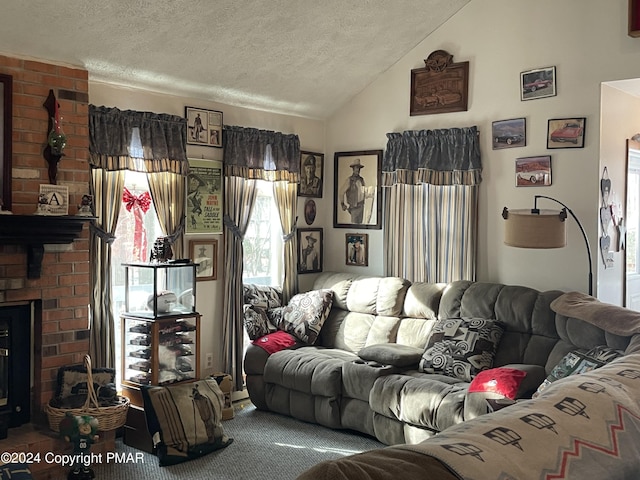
(266, 446)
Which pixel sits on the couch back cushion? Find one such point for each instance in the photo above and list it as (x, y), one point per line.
(530, 333)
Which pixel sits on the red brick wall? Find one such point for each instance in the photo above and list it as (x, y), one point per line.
(61, 294)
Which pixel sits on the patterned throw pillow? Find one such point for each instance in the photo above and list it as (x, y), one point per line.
(576, 362)
(262, 296)
(185, 420)
(461, 347)
(256, 322)
(305, 314)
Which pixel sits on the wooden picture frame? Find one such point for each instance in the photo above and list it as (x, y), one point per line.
(538, 83)
(310, 250)
(440, 87)
(357, 191)
(533, 171)
(204, 197)
(509, 133)
(357, 249)
(204, 127)
(6, 127)
(310, 211)
(205, 254)
(311, 174)
(566, 132)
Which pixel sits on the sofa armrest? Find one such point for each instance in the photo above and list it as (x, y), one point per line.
(394, 354)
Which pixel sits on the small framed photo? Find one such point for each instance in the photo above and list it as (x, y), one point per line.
(309, 250)
(311, 174)
(205, 254)
(509, 133)
(566, 132)
(357, 249)
(53, 200)
(533, 171)
(204, 127)
(310, 211)
(357, 190)
(538, 83)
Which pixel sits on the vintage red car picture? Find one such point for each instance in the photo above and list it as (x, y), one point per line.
(566, 133)
(538, 83)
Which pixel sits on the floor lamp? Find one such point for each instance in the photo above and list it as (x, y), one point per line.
(537, 228)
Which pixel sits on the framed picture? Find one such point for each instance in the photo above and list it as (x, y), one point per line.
(53, 200)
(6, 86)
(357, 190)
(509, 133)
(204, 127)
(204, 196)
(205, 254)
(538, 83)
(357, 249)
(440, 87)
(309, 250)
(311, 174)
(566, 132)
(309, 211)
(533, 171)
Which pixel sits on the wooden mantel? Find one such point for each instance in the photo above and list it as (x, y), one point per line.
(36, 231)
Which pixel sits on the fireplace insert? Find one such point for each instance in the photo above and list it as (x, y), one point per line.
(15, 366)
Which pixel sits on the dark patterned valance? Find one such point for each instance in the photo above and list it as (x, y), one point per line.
(261, 154)
(162, 141)
(439, 157)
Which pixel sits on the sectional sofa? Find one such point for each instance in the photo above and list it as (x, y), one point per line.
(377, 365)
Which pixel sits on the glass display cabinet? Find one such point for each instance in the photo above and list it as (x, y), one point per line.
(160, 329)
(153, 290)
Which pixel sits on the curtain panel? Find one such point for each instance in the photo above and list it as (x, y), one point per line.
(431, 204)
(138, 141)
(438, 157)
(251, 154)
(162, 136)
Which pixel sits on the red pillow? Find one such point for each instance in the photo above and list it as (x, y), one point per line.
(503, 381)
(276, 341)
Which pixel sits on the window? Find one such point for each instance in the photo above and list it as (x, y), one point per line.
(262, 244)
(633, 213)
(132, 234)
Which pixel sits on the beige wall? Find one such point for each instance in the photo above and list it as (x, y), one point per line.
(209, 299)
(587, 42)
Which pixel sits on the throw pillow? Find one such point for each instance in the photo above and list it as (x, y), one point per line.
(394, 354)
(256, 322)
(492, 390)
(263, 296)
(185, 420)
(305, 314)
(274, 342)
(572, 363)
(501, 381)
(461, 347)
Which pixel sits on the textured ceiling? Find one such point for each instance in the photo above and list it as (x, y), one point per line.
(301, 57)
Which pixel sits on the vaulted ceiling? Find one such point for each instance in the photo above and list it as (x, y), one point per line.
(300, 57)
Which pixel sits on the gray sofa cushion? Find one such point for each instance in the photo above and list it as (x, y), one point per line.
(392, 354)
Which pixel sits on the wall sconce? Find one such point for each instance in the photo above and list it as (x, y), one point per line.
(56, 139)
(537, 228)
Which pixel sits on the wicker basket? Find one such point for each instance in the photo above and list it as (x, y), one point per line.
(109, 418)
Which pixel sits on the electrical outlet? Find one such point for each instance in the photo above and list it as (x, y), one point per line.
(209, 360)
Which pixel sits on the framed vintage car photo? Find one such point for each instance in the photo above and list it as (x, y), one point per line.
(566, 132)
(538, 83)
(509, 133)
(533, 171)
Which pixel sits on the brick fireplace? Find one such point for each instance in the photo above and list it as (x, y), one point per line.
(60, 296)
